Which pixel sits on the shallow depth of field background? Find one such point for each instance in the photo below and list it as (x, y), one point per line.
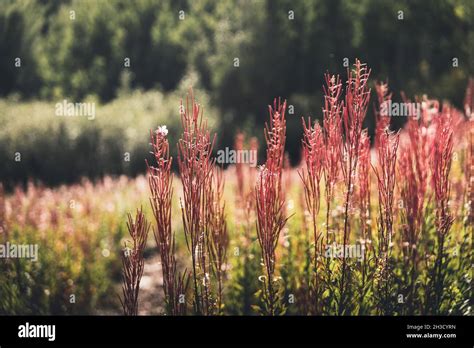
(73, 187)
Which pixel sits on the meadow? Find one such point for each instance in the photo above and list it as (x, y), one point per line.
(357, 228)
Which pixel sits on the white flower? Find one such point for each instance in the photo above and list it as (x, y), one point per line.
(162, 130)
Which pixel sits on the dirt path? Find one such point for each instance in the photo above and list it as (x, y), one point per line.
(150, 300)
(151, 292)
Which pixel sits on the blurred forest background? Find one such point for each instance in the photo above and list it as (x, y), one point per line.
(283, 49)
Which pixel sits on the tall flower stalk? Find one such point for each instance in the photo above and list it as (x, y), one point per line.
(413, 175)
(441, 159)
(270, 202)
(363, 178)
(332, 130)
(133, 262)
(355, 109)
(196, 167)
(469, 112)
(412, 207)
(313, 157)
(218, 236)
(160, 181)
(385, 172)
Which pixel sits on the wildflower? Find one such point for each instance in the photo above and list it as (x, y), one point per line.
(162, 130)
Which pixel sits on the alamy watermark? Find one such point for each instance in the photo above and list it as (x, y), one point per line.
(230, 156)
(340, 251)
(394, 109)
(70, 109)
(19, 251)
(37, 331)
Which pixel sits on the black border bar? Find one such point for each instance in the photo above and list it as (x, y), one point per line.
(290, 330)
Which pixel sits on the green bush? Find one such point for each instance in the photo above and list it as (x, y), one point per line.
(62, 149)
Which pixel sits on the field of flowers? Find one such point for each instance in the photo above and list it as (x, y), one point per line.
(358, 228)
